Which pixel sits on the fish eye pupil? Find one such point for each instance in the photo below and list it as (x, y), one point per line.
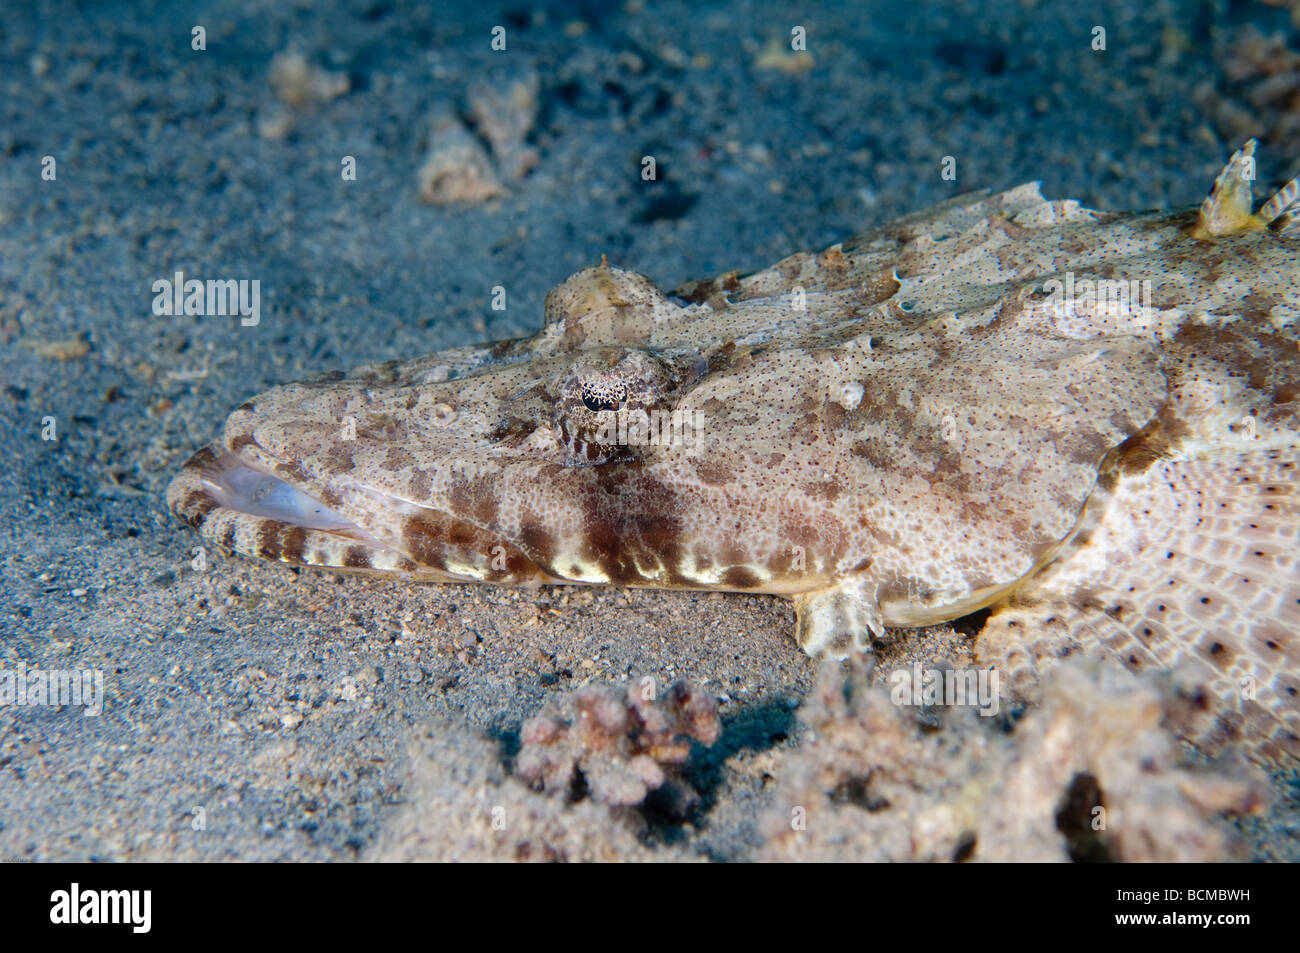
(602, 396)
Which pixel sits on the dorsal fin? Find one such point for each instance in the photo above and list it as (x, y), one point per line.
(1282, 211)
(1227, 209)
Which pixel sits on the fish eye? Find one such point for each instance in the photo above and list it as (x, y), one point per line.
(603, 395)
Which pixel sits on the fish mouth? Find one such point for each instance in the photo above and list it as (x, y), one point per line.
(238, 503)
(244, 487)
(234, 500)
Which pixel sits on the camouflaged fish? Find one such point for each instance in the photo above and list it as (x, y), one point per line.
(1087, 423)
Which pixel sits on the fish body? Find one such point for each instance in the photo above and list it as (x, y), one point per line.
(1086, 422)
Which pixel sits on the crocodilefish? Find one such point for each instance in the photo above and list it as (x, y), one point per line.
(1082, 425)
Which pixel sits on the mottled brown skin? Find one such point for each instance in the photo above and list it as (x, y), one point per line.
(896, 431)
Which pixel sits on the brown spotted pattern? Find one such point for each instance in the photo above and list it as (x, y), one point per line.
(895, 431)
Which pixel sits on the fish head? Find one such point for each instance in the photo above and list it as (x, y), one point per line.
(482, 463)
(730, 441)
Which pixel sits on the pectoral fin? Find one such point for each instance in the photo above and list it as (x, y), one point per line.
(1195, 569)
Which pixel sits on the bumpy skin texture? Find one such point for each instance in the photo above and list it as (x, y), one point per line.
(896, 431)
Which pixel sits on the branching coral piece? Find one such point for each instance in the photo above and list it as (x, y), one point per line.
(621, 746)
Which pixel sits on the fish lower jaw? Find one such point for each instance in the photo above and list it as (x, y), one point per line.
(235, 502)
(240, 486)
